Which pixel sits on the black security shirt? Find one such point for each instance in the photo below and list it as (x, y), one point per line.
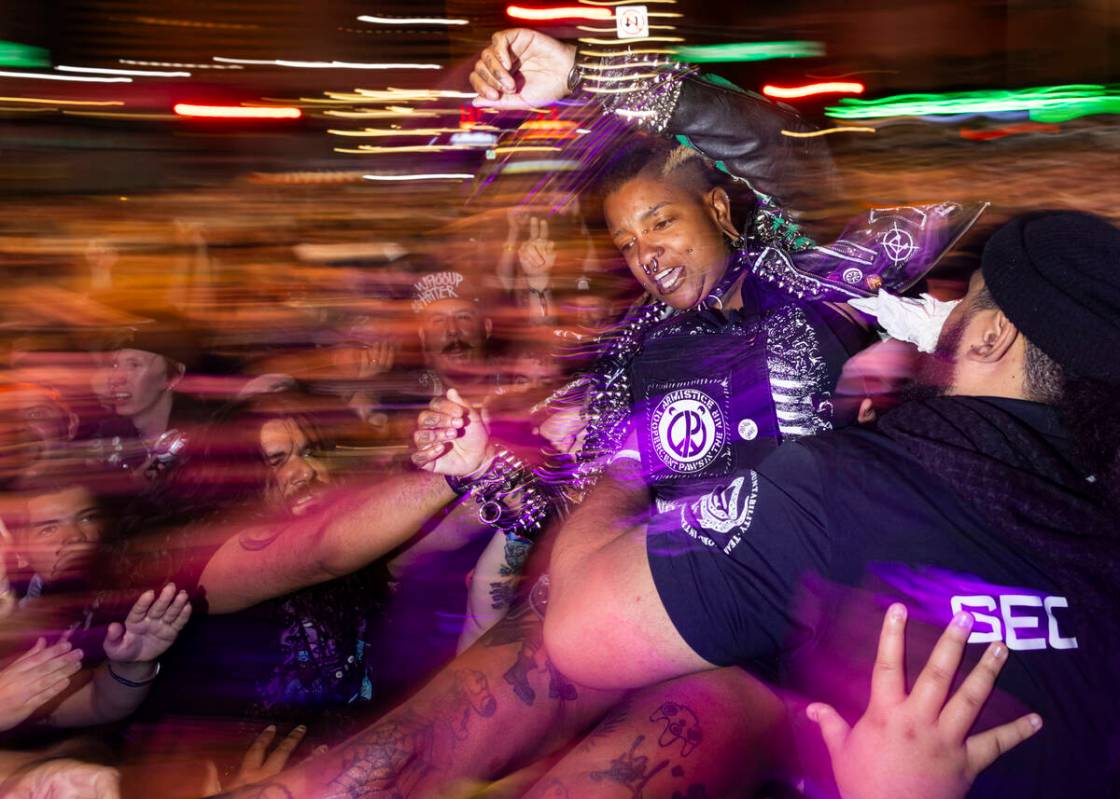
(789, 568)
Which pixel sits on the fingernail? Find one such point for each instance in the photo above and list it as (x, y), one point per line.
(301, 728)
(1035, 721)
(998, 651)
(813, 712)
(898, 612)
(65, 646)
(963, 620)
(270, 728)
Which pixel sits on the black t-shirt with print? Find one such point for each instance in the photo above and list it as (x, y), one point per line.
(788, 569)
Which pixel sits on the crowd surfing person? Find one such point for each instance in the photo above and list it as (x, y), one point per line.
(992, 501)
(724, 343)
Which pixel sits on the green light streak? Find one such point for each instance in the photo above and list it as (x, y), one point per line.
(749, 51)
(14, 54)
(1043, 103)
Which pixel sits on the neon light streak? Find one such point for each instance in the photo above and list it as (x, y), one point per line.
(428, 176)
(558, 13)
(370, 149)
(1010, 130)
(749, 51)
(58, 102)
(235, 112)
(412, 21)
(280, 62)
(826, 132)
(140, 72)
(795, 92)
(1044, 103)
(376, 132)
(74, 78)
(176, 64)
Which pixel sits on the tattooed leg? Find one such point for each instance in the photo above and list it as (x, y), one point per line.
(469, 724)
(698, 737)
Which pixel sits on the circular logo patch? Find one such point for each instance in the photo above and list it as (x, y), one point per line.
(688, 430)
(853, 275)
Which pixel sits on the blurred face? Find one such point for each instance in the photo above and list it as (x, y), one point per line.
(453, 334)
(296, 476)
(937, 371)
(62, 533)
(135, 380)
(674, 240)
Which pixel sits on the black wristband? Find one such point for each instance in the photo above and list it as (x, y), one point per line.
(131, 683)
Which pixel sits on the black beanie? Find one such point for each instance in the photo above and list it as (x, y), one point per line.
(1056, 275)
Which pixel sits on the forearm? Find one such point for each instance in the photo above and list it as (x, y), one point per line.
(104, 699)
(493, 585)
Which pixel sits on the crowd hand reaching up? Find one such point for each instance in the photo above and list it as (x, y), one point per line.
(451, 438)
(537, 255)
(35, 678)
(258, 764)
(63, 778)
(522, 68)
(149, 630)
(7, 595)
(918, 745)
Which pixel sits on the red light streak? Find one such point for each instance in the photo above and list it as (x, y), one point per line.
(559, 12)
(1010, 130)
(794, 92)
(235, 112)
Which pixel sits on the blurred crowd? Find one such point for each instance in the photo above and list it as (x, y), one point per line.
(274, 456)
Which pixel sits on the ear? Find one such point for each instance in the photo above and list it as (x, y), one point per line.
(175, 372)
(993, 339)
(719, 206)
(488, 326)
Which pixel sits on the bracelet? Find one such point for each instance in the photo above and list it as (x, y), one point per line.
(575, 78)
(131, 683)
(507, 476)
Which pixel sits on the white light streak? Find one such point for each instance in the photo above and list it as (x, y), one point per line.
(412, 20)
(177, 64)
(73, 78)
(426, 176)
(147, 73)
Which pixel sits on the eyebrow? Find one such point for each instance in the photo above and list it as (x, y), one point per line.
(647, 214)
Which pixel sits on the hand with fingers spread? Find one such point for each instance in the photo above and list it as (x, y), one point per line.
(35, 678)
(377, 359)
(918, 746)
(259, 764)
(150, 629)
(522, 68)
(451, 438)
(64, 778)
(537, 255)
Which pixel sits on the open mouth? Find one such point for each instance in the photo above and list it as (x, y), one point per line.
(301, 501)
(668, 280)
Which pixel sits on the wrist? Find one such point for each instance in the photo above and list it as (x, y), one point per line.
(134, 671)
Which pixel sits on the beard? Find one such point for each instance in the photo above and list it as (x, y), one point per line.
(936, 371)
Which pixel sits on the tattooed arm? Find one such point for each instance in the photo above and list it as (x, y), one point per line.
(603, 592)
(343, 536)
(493, 585)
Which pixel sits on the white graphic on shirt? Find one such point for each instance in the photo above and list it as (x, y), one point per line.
(722, 511)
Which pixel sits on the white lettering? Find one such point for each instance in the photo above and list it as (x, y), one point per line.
(1056, 640)
(1007, 603)
(970, 603)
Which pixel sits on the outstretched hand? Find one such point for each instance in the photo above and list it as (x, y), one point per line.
(918, 744)
(450, 437)
(151, 627)
(522, 68)
(65, 778)
(35, 678)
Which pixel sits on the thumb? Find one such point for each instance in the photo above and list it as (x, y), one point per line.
(453, 395)
(211, 784)
(834, 729)
(115, 633)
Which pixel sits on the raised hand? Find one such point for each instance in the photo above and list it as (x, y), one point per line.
(522, 68)
(35, 678)
(450, 437)
(64, 778)
(918, 745)
(259, 764)
(151, 627)
(537, 255)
